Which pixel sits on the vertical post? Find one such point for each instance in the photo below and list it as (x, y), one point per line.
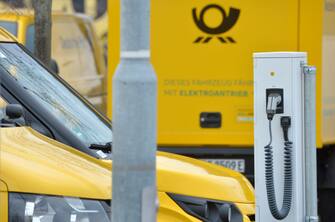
(134, 119)
(310, 143)
(43, 30)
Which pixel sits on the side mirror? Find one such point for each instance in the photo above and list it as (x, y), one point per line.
(14, 111)
(54, 66)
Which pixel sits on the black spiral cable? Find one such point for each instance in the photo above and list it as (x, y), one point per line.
(288, 177)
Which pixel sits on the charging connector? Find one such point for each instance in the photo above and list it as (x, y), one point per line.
(285, 122)
(273, 100)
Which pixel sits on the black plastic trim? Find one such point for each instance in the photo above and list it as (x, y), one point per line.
(185, 203)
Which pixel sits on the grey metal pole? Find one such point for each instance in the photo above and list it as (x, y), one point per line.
(310, 143)
(134, 120)
(43, 30)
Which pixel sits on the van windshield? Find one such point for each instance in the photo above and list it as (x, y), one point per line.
(52, 94)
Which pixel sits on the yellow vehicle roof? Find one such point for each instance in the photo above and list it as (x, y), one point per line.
(5, 36)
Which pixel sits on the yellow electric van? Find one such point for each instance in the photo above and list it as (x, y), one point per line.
(75, 48)
(55, 155)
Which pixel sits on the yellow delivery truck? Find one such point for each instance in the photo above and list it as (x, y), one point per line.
(97, 10)
(202, 54)
(75, 48)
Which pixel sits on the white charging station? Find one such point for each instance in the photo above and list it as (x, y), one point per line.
(279, 161)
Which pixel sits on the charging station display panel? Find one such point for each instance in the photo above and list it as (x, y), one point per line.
(278, 133)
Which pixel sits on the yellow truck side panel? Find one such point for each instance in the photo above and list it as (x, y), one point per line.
(199, 77)
(214, 76)
(207, 71)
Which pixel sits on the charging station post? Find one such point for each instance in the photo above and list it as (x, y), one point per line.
(310, 143)
(282, 95)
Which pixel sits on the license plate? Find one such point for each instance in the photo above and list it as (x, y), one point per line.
(234, 164)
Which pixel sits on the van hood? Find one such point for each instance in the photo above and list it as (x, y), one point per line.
(187, 176)
(33, 163)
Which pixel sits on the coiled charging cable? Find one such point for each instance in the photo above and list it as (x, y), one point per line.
(279, 214)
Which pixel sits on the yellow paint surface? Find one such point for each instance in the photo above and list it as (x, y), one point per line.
(194, 76)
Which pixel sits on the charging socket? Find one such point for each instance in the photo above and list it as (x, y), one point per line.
(280, 106)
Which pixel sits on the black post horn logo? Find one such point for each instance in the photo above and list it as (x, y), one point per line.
(226, 24)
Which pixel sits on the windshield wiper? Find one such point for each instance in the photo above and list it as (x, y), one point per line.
(106, 148)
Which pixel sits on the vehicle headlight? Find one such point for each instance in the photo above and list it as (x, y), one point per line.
(42, 208)
(208, 210)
